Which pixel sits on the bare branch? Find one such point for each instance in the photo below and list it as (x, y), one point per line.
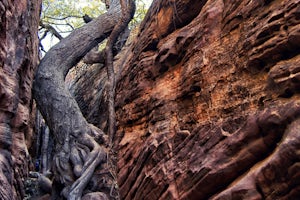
(51, 29)
(63, 18)
(44, 35)
(58, 24)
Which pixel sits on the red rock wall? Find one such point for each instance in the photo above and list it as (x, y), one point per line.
(18, 60)
(208, 102)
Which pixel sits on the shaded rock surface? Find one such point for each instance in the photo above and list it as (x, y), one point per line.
(207, 102)
(18, 61)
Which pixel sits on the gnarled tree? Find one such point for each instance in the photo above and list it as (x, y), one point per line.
(77, 149)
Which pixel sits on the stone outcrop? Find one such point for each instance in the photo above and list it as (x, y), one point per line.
(207, 102)
(18, 61)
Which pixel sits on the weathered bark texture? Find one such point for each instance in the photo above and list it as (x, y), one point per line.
(18, 61)
(208, 102)
(79, 159)
(128, 9)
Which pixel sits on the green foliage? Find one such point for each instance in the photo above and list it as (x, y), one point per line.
(66, 15)
(141, 10)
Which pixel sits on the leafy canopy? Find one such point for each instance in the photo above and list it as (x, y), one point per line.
(66, 15)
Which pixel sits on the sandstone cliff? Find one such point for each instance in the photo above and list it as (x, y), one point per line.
(18, 61)
(207, 102)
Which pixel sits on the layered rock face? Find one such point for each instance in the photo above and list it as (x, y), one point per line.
(208, 102)
(18, 60)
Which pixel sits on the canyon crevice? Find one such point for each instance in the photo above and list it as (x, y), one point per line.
(207, 102)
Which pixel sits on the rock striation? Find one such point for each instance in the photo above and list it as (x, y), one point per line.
(18, 61)
(208, 102)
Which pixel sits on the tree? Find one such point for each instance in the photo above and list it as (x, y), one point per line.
(60, 18)
(77, 151)
(208, 103)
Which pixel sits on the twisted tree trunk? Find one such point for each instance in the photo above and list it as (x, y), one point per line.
(77, 151)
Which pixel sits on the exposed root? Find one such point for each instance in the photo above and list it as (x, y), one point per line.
(96, 151)
(84, 170)
(98, 135)
(77, 160)
(63, 168)
(76, 168)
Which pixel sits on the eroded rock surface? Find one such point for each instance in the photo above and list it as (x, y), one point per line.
(208, 102)
(18, 60)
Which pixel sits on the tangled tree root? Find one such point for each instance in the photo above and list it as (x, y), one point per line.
(76, 166)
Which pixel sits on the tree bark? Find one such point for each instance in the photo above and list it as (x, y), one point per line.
(44, 151)
(77, 152)
(127, 15)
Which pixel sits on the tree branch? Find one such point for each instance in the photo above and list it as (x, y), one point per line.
(95, 56)
(63, 18)
(58, 24)
(51, 29)
(127, 14)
